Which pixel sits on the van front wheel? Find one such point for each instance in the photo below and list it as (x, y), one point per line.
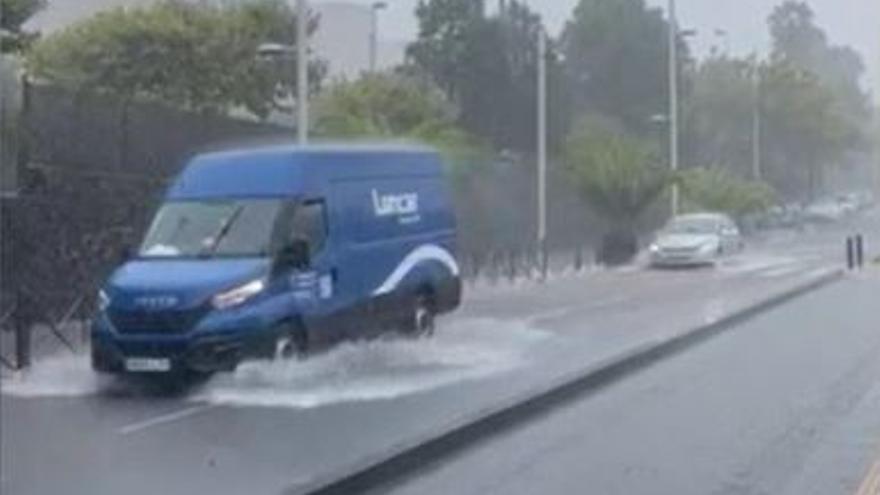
(292, 342)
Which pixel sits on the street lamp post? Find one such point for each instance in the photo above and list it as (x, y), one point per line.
(374, 33)
(302, 71)
(757, 173)
(542, 143)
(673, 102)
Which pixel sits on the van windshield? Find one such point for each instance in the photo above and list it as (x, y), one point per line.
(224, 228)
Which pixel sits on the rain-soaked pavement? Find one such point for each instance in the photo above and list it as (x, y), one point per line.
(269, 427)
(787, 404)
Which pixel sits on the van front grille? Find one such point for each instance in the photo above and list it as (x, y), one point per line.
(156, 322)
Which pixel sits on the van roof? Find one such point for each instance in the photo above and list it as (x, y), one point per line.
(361, 148)
(292, 170)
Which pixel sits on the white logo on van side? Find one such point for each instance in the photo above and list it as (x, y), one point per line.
(395, 204)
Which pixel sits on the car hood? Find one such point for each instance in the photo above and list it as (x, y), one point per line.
(685, 241)
(152, 285)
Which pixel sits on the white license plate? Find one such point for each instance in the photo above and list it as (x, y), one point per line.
(148, 365)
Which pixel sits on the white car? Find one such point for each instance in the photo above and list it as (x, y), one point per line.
(825, 211)
(695, 239)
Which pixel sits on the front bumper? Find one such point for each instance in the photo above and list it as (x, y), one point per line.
(201, 353)
(672, 259)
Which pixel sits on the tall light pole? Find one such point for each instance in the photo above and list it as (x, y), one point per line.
(673, 102)
(302, 71)
(374, 33)
(542, 141)
(757, 173)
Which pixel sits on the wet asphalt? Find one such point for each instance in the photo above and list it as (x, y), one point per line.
(270, 428)
(788, 403)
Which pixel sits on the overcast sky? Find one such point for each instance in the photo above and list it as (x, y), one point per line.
(852, 22)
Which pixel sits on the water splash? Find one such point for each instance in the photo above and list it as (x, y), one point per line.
(378, 370)
(463, 349)
(55, 376)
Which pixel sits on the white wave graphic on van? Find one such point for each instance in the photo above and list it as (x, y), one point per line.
(379, 370)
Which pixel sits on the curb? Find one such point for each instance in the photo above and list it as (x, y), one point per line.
(404, 460)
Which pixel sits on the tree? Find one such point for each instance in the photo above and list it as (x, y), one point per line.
(804, 130)
(200, 56)
(717, 190)
(487, 66)
(13, 15)
(719, 114)
(800, 43)
(395, 106)
(617, 58)
(617, 175)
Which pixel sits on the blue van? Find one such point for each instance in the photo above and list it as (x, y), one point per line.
(278, 251)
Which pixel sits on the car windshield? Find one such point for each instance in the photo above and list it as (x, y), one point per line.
(228, 228)
(692, 226)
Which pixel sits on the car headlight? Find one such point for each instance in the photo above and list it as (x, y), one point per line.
(238, 295)
(654, 248)
(103, 300)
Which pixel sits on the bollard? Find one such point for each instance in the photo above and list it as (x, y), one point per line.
(860, 251)
(545, 263)
(511, 265)
(22, 346)
(578, 259)
(850, 253)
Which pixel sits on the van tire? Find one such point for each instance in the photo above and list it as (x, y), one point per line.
(421, 318)
(292, 342)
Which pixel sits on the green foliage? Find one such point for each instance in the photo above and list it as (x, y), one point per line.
(616, 55)
(13, 15)
(801, 44)
(487, 66)
(715, 189)
(615, 173)
(806, 131)
(394, 106)
(720, 113)
(200, 56)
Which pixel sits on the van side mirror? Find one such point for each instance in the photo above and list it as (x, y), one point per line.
(296, 254)
(124, 253)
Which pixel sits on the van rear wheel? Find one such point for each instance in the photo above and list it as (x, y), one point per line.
(420, 322)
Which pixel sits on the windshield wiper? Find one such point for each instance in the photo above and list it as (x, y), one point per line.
(223, 232)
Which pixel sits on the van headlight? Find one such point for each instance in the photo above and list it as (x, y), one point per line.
(238, 295)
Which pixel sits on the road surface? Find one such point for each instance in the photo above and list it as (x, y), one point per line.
(789, 403)
(272, 427)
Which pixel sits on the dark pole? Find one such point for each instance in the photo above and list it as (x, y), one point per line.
(850, 253)
(860, 251)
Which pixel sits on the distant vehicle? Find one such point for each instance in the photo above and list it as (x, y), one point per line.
(276, 251)
(695, 239)
(826, 210)
(785, 216)
(849, 203)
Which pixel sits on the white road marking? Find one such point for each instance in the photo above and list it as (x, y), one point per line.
(164, 419)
